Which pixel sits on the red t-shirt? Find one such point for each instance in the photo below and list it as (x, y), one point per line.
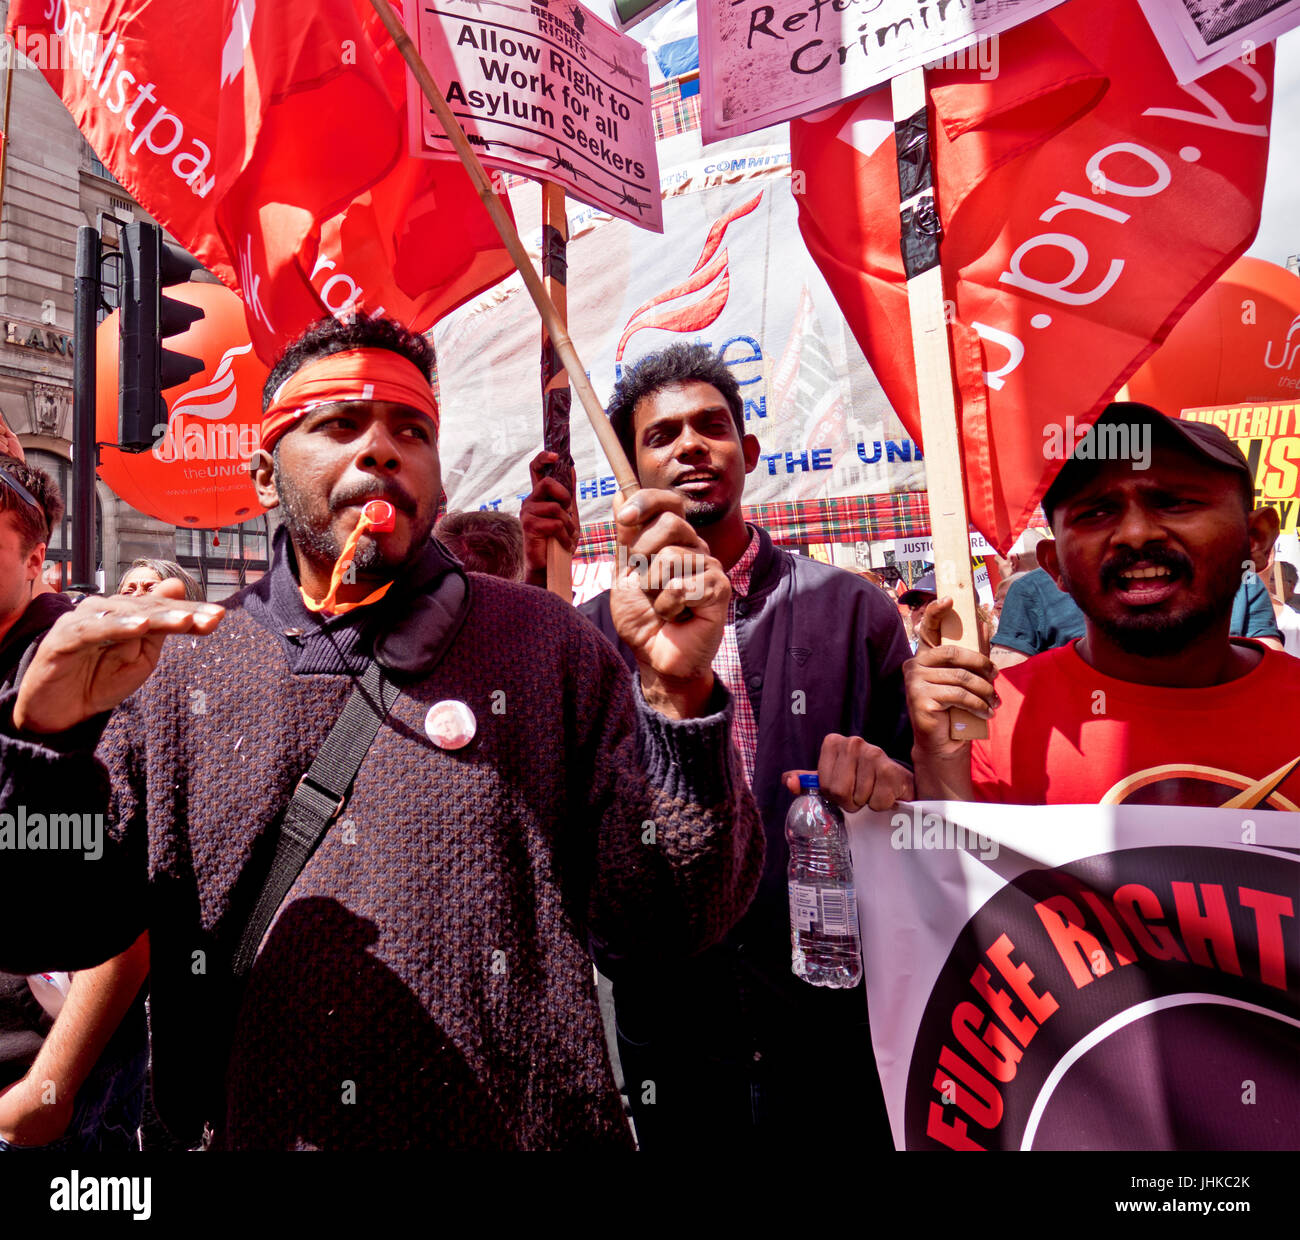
(1065, 734)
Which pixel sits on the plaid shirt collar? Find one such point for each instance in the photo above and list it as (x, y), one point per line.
(740, 571)
(727, 665)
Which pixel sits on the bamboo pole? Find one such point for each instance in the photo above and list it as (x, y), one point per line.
(555, 380)
(554, 324)
(949, 521)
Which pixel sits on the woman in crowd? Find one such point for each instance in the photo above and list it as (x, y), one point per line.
(144, 574)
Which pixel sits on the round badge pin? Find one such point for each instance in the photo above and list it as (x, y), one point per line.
(450, 724)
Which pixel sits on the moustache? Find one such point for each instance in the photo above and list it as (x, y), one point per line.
(1158, 557)
(400, 499)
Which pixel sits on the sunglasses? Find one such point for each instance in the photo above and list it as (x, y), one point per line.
(21, 491)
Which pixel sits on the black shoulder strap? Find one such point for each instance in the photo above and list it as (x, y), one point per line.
(317, 800)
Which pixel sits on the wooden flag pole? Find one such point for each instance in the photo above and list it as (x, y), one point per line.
(11, 46)
(949, 522)
(555, 380)
(552, 321)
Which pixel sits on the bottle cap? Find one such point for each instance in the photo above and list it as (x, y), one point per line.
(808, 783)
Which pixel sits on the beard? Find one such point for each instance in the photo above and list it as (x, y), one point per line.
(313, 535)
(702, 513)
(1158, 631)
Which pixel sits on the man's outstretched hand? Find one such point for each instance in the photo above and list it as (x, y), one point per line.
(9, 445)
(101, 652)
(668, 602)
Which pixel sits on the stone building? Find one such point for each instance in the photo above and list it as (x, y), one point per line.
(51, 182)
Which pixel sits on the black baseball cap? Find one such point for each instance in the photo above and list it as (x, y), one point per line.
(922, 591)
(1201, 438)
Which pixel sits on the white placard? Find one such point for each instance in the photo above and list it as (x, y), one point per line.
(551, 93)
(922, 548)
(763, 61)
(1201, 35)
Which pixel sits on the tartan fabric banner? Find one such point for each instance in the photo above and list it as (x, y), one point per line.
(850, 518)
(673, 114)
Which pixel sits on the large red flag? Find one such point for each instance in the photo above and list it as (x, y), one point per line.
(1087, 200)
(269, 136)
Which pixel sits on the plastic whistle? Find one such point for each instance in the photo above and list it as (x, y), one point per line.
(380, 516)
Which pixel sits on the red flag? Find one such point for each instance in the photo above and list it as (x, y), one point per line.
(1087, 200)
(269, 137)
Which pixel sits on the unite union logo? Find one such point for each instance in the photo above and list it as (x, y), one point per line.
(195, 429)
(710, 276)
(1290, 347)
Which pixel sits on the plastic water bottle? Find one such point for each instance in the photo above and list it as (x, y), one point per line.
(823, 902)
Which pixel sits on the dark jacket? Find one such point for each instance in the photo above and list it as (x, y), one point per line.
(822, 651)
(37, 619)
(23, 1022)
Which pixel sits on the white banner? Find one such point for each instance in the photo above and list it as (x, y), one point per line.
(1083, 977)
(731, 272)
(763, 61)
(553, 94)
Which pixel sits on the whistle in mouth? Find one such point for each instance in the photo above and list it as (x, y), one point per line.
(380, 516)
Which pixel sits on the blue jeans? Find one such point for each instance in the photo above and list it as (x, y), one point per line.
(106, 1117)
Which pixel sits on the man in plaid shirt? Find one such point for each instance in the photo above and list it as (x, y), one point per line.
(727, 1044)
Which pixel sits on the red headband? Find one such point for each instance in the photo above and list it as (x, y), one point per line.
(358, 374)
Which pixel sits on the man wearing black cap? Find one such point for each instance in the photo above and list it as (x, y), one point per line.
(1156, 702)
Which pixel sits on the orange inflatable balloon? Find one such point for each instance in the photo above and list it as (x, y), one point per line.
(196, 473)
(1239, 343)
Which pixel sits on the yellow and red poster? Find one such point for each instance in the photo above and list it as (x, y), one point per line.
(1269, 436)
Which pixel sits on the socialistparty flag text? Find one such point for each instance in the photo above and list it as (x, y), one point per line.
(269, 139)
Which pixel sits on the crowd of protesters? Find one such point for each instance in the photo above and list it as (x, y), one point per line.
(533, 788)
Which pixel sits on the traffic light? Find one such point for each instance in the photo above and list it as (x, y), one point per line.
(145, 368)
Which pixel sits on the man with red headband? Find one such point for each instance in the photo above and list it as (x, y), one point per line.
(426, 980)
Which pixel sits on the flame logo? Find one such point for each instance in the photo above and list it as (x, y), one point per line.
(710, 269)
(215, 400)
